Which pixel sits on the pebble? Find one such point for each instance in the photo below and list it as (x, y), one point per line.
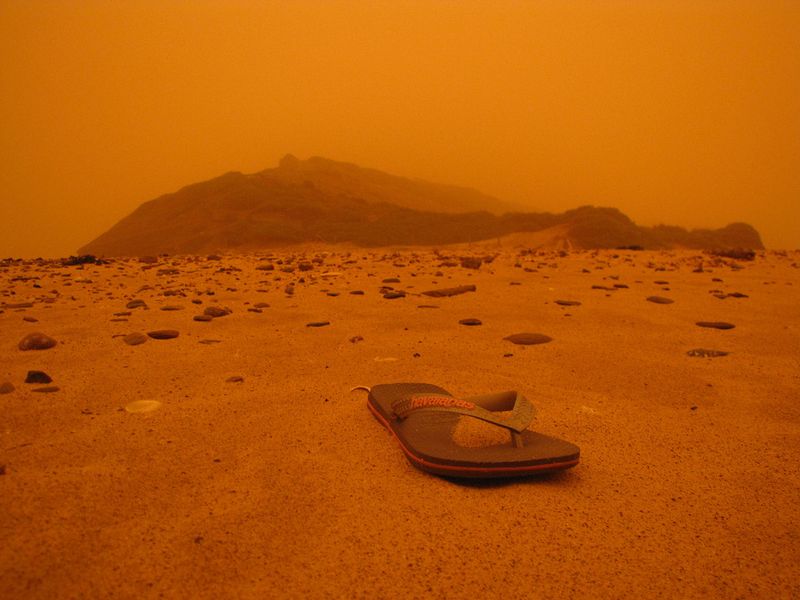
(163, 334)
(36, 341)
(235, 379)
(462, 289)
(470, 322)
(38, 377)
(715, 324)
(528, 339)
(659, 300)
(706, 353)
(261, 305)
(318, 324)
(203, 318)
(136, 304)
(171, 307)
(6, 387)
(393, 295)
(568, 303)
(208, 342)
(30, 319)
(135, 338)
(357, 292)
(216, 311)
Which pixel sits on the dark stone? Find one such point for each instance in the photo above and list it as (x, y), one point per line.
(471, 322)
(6, 387)
(30, 319)
(357, 292)
(261, 305)
(528, 339)
(462, 289)
(171, 307)
(203, 318)
(36, 341)
(136, 303)
(470, 262)
(216, 311)
(163, 334)
(659, 300)
(134, 339)
(235, 379)
(318, 324)
(715, 324)
(209, 342)
(568, 303)
(394, 294)
(38, 377)
(391, 280)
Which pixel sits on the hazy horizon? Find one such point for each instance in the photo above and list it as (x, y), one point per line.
(684, 113)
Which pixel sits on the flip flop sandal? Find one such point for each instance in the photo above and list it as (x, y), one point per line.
(423, 418)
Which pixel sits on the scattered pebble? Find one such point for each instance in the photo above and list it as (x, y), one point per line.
(38, 377)
(136, 304)
(568, 303)
(394, 294)
(163, 334)
(318, 324)
(659, 300)
(462, 289)
(30, 319)
(235, 379)
(203, 318)
(36, 341)
(706, 353)
(135, 338)
(715, 324)
(470, 322)
(6, 387)
(528, 339)
(216, 311)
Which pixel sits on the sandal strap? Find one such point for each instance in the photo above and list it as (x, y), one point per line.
(482, 407)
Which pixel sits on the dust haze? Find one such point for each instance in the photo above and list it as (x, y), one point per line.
(673, 112)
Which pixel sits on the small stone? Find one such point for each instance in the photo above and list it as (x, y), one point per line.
(2, 469)
(446, 292)
(235, 379)
(171, 307)
(394, 295)
(135, 338)
(46, 390)
(715, 324)
(470, 322)
(6, 387)
(38, 377)
(469, 262)
(659, 300)
(136, 303)
(30, 319)
(203, 318)
(318, 324)
(706, 353)
(209, 342)
(261, 305)
(356, 338)
(357, 292)
(568, 303)
(391, 280)
(163, 334)
(528, 339)
(36, 341)
(216, 311)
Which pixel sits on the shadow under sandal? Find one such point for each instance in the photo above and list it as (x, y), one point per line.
(424, 417)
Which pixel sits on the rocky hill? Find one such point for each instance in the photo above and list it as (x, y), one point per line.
(320, 200)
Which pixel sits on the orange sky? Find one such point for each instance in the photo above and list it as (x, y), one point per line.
(683, 112)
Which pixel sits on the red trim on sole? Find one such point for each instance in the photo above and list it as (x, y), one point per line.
(456, 470)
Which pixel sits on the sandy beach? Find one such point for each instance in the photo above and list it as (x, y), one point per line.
(253, 471)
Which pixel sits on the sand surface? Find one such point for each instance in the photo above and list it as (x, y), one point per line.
(282, 484)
